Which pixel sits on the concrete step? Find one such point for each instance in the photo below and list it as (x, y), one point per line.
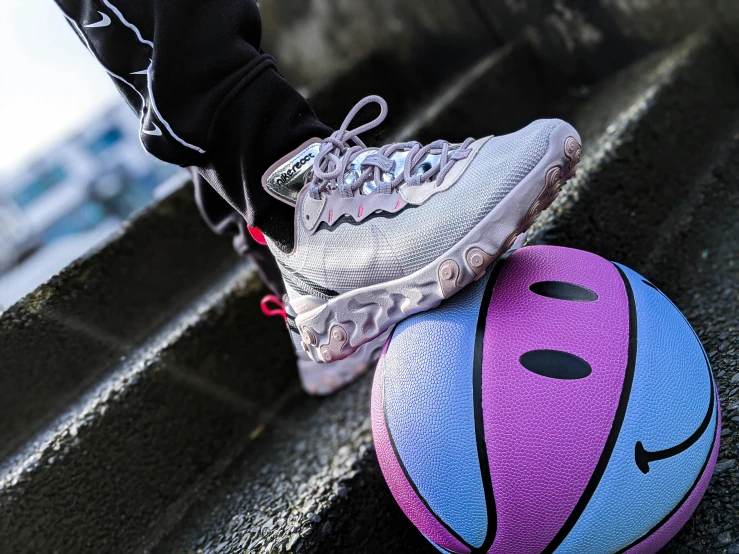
(657, 190)
(59, 340)
(121, 456)
(590, 40)
(499, 93)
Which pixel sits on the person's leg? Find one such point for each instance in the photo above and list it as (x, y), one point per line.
(224, 220)
(205, 93)
(363, 237)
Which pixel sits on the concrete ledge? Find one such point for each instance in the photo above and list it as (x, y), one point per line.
(319, 40)
(127, 449)
(56, 341)
(590, 40)
(498, 93)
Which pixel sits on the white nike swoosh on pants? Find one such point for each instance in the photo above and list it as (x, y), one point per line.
(104, 22)
(157, 132)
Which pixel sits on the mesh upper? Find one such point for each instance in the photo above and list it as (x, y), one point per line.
(349, 256)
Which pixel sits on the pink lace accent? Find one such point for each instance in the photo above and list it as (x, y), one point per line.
(272, 306)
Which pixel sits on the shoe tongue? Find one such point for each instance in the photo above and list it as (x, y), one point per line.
(285, 178)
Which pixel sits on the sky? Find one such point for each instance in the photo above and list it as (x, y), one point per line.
(49, 83)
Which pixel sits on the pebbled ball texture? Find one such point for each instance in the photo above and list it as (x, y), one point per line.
(486, 455)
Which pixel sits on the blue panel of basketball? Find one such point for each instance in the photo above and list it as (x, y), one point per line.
(430, 415)
(670, 397)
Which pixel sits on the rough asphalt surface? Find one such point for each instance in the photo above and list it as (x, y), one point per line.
(709, 296)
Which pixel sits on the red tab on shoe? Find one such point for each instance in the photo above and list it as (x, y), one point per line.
(286, 177)
(277, 307)
(257, 235)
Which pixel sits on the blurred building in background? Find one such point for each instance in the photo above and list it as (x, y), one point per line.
(70, 198)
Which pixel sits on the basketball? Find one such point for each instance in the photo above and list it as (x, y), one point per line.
(561, 403)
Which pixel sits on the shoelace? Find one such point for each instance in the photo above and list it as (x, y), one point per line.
(340, 149)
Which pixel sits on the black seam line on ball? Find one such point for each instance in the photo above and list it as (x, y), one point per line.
(482, 450)
(618, 420)
(710, 450)
(451, 531)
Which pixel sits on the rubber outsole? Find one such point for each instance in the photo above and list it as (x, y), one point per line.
(319, 379)
(339, 327)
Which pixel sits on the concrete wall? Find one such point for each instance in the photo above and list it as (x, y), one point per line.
(313, 40)
(727, 23)
(591, 38)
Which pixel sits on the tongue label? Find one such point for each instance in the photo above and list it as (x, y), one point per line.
(285, 179)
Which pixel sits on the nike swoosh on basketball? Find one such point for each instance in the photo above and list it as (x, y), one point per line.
(644, 457)
(104, 22)
(156, 132)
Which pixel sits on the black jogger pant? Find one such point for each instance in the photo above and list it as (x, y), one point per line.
(205, 93)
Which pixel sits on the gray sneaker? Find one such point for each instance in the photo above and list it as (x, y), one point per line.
(384, 233)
